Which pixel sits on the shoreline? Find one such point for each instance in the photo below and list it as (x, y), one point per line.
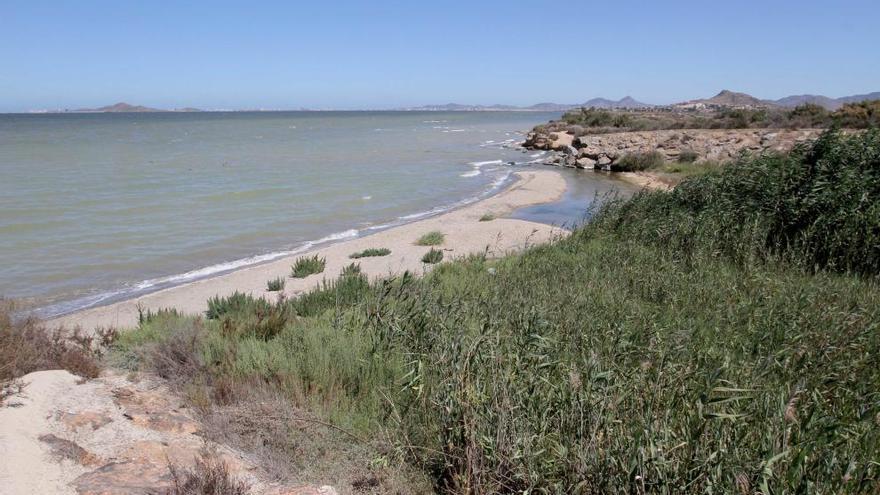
(63, 308)
(465, 234)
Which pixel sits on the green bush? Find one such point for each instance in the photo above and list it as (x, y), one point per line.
(433, 256)
(305, 266)
(369, 252)
(431, 239)
(487, 217)
(351, 286)
(237, 302)
(275, 285)
(636, 162)
(688, 156)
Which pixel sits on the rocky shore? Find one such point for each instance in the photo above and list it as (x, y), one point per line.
(604, 151)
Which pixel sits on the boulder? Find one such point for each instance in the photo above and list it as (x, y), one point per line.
(585, 162)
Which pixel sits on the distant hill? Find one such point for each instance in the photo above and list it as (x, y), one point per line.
(625, 102)
(732, 99)
(858, 98)
(727, 98)
(822, 101)
(120, 108)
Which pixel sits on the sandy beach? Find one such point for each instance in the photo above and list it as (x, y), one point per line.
(465, 234)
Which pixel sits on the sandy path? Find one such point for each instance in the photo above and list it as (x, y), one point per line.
(465, 234)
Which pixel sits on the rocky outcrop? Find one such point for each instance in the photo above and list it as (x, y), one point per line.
(603, 150)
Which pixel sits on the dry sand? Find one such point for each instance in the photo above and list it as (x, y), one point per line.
(465, 234)
(108, 436)
(646, 180)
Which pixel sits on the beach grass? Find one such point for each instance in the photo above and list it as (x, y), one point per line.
(434, 238)
(721, 337)
(308, 265)
(433, 256)
(487, 217)
(370, 252)
(275, 285)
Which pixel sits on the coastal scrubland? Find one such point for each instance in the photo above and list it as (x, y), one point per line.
(598, 121)
(721, 337)
(27, 346)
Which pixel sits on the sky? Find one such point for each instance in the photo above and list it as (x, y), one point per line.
(378, 54)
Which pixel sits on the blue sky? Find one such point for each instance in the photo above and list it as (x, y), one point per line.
(341, 54)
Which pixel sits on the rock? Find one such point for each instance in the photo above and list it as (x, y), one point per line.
(586, 162)
(124, 478)
(706, 143)
(90, 419)
(66, 449)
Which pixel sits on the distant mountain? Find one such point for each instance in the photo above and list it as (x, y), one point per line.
(732, 99)
(822, 101)
(859, 98)
(128, 108)
(625, 102)
(550, 107)
(727, 98)
(119, 108)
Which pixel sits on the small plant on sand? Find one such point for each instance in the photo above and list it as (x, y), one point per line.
(487, 217)
(434, 238)
(275, 285)
(305, 266)
(367, 253)
(433, 256)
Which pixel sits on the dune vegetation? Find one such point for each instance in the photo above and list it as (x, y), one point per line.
(723, 337)
(597, 121)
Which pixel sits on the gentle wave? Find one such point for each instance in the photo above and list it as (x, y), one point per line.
(488, 162)
(472, 173)
(151, 285)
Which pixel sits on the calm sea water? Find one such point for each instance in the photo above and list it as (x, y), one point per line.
(95, 207)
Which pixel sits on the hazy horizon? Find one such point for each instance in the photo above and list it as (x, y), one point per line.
(386, 56)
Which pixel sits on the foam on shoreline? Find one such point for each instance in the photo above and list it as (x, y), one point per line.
(144, 287)
(460, 221)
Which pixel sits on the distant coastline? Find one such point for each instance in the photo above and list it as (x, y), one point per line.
(724, 98)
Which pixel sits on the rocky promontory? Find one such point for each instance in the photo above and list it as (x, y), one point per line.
(713, 145)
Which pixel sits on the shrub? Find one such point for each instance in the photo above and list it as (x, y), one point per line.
(487, 217)
(27, 346)
(209, 476)
(433, 256)
(275, 285)
(366, 253)
(349, 287)
(238, 302)
(305, 266)
(688, 156)
(431, 239)
(635, 162)
(858, 115)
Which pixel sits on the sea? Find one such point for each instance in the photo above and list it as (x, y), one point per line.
(96, 208)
